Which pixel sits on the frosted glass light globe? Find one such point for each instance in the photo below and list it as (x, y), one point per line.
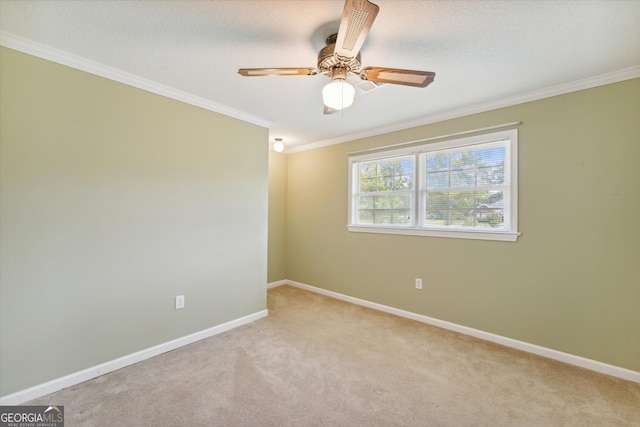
(338, 94)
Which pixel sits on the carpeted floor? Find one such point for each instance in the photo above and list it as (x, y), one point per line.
(317, 361)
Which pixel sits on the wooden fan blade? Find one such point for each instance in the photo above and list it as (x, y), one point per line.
(357, 19)
(398, 77)
(252, 72)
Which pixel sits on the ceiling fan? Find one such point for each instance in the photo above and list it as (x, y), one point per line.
(341, 57)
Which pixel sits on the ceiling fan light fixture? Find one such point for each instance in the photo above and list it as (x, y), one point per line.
(338, 94)
(341, 57)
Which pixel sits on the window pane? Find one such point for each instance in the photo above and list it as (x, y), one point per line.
(465, 209)
(490, 209)
(437, 180)
(387, 175)
(407, 166)
(401, 202)
(385, 183)
(382, 202)
(462, 200)
(489, 218)
(365, 216)
(491, 156)
(367, 169)
(463, 160)
(402, 216)
(365, 202)
(368, 184)
(493, 199)
(392, 216)
(461, 218)
(493, 175)
(385, 169)
(383, 217)
(437, 162)
(438, 201)
(436, 216)
(474, 169)
(389, 209)
(463, 178)
(403, 182)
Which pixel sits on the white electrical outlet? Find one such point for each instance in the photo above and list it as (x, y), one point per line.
(179, 302)
(418, 283)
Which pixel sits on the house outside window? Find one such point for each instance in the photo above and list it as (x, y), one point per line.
(461, 188)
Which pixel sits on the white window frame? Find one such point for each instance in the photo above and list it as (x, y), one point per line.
(509, 231)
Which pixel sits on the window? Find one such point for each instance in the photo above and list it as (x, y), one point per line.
(465, 188)
(386, 191)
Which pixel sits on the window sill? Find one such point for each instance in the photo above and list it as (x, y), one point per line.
(504, 236)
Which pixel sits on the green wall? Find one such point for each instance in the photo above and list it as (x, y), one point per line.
(572, 280)
(113, 201)
(277, 253)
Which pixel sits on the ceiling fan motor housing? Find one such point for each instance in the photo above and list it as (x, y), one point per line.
(341, 56)
(328, 61)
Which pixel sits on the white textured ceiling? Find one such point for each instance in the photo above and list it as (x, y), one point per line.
(481, 51)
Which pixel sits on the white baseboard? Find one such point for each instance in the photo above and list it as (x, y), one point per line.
(96, 371)
(571, 359)
(278, 283)
(40, 390)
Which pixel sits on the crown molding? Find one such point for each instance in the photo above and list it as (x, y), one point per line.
(587, 83)
(65, 58)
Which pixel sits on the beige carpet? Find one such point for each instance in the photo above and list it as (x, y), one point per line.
(316, 361)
